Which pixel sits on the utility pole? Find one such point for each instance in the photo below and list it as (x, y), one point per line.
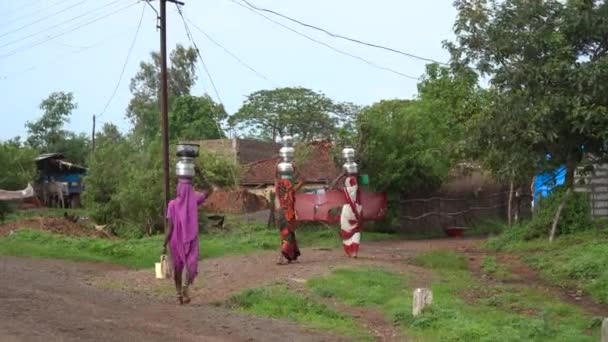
(93, 135)
(164, 96)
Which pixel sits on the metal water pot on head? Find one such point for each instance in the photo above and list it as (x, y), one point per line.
(287, 154)
(349, 166)
(186, 155)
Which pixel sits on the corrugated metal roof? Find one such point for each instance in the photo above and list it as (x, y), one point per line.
(49, 155)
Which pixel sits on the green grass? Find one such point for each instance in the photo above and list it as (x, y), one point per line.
(491, 267)
(365, 287)
(442, 260)
(466, 310)
(279, 302)
(142, 253)
(463, 308)
(44, 212)
(577, 261)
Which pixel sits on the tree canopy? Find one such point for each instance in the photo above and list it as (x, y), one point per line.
(301, 112)
(545, 61)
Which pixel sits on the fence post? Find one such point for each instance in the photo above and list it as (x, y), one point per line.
(605, 330)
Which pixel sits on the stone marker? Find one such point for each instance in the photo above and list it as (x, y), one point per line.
(422, 298)
(605, 330)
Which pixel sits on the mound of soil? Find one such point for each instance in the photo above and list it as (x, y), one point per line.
(235, 202)
(57, 225)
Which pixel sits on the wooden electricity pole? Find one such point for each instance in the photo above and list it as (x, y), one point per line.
(164, 96)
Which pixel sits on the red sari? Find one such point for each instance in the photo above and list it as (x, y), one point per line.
(286, 219)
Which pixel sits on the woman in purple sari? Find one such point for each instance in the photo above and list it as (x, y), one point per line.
(182, 236)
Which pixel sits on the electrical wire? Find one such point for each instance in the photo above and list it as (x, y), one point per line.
(62, 57)
(43, 18)
(39, 10)
(198, 52)
(124, 66)
(325, 44)
(11, 53)
(60, 24)
(259, 74)
(335, 35)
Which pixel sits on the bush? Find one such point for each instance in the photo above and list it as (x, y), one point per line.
(124, 186)
(576, 215)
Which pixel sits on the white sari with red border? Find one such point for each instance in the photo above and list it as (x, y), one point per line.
(351, 217)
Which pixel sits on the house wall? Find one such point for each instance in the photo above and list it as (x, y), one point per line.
(594, 183)
(251, 150)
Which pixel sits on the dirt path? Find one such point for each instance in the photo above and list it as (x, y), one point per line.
(523, 275)
(222, 277)
(44, 300)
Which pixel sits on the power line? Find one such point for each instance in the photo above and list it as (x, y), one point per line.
(6, 23)
(42, 19)
(59, 24)
(325, 44)
(124, 66)
(11, 53)
(335, 35)
(63, 56)
(198, 52)
(259, 74)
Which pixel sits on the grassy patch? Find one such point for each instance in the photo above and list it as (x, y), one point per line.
(464, 309)
(279, 302)
(143, 252)
(491, 267)
(358, 287)
(577, 261)
(442, 260)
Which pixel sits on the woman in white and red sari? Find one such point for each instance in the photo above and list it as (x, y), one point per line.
(351, 217)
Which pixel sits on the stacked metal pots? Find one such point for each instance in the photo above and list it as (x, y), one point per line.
(287, 153)
(350, 167)
(186, 154)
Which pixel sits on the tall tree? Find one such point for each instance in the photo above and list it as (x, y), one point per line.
(47, 131)
(545, 59)
(143, 110)
(300, 112)
(196, 117)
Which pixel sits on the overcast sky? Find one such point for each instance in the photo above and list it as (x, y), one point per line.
(38, 55)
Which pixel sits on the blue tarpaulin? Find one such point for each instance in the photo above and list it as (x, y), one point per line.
(544, 183)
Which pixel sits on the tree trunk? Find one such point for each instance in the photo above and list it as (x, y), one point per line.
(558, 213)
(510, 204)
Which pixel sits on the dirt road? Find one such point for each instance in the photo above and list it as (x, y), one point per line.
(44, 300)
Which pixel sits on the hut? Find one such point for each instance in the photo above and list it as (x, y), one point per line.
(52, 170)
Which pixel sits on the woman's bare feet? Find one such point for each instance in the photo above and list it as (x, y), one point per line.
(186, 294)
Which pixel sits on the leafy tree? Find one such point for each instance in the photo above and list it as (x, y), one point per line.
(143, 110)
(109, 134)
(300, 112)
(47, 131)
(47, 134)
(401, 148)
(195, 117)
(544, 59)
(17, 169)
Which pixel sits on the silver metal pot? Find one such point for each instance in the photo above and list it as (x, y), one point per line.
(351, 168)
(285, 168)
(187, 150)
(348, 153)
(185, 167)
(287, 153)
(287, 140)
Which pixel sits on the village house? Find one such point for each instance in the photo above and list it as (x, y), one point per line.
(259, 159)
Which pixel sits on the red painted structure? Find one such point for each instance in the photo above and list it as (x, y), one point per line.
(316, 207)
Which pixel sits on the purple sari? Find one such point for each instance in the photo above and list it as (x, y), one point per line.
(183, 213)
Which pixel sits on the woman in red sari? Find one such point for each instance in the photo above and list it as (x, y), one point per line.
(286, 215)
